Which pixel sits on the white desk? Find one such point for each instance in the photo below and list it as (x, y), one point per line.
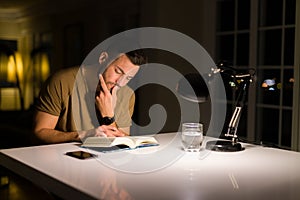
(255, 173)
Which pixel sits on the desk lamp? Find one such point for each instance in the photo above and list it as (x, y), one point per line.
(193, 88)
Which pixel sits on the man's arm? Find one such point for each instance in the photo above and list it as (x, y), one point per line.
(44, 130)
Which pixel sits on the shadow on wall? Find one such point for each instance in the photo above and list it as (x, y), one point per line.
(166, 100)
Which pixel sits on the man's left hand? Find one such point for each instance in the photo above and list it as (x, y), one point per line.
(110, 131)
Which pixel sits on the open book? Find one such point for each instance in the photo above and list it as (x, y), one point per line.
(114, 143)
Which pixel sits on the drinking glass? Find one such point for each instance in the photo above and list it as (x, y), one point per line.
(192, 136)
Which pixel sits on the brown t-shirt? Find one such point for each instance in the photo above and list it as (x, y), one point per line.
(66, 94)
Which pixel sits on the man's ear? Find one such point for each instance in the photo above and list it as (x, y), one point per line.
(103, 57)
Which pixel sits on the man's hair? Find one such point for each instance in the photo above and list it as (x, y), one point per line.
(137, 57)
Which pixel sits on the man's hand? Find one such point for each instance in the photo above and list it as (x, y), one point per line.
(101, 131)
(106, 101)
(109, 131)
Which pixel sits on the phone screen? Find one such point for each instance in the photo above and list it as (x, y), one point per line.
(81, 154)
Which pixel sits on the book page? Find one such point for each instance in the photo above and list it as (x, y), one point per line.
(124, 141)
(140, 141)
(130, 141)
(98, 142)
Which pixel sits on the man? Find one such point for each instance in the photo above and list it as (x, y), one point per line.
(64, 114)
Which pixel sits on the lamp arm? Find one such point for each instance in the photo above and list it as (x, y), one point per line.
(235, 119)
(234, 123)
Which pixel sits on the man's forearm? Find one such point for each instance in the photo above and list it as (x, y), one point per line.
(51, 136)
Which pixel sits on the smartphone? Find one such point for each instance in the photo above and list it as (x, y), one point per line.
(81, 154)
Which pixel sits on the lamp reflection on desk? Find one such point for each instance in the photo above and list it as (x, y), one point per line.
(193, 88)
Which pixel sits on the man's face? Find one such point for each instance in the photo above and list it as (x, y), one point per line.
(119, 72)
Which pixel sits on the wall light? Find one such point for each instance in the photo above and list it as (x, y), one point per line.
(41, 68)
(11, 75)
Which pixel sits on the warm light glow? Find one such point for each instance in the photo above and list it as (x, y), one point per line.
(45, 68)
(19, 63)
(12, 66)
(264, 85)
(11, 70)
(41, 71)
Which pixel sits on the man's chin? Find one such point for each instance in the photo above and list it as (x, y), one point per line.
(110, 87)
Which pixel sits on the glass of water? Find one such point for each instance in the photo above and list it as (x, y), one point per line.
(192, 136)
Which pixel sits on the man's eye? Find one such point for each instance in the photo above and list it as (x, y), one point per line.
(118, 71)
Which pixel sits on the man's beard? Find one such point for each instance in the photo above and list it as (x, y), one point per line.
(99, 88)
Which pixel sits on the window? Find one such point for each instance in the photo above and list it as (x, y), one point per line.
(261, 34)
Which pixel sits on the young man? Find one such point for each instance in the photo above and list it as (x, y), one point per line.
(64, 110)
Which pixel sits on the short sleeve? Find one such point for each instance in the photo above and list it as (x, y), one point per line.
(55, 91)
(49, 99)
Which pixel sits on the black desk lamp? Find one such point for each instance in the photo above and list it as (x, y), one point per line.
(193, 88)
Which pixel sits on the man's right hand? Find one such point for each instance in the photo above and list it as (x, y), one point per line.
(104, 100)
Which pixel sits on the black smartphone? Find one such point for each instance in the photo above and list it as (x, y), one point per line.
(81, 154)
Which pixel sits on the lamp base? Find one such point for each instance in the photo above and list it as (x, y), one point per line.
(224, 146)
